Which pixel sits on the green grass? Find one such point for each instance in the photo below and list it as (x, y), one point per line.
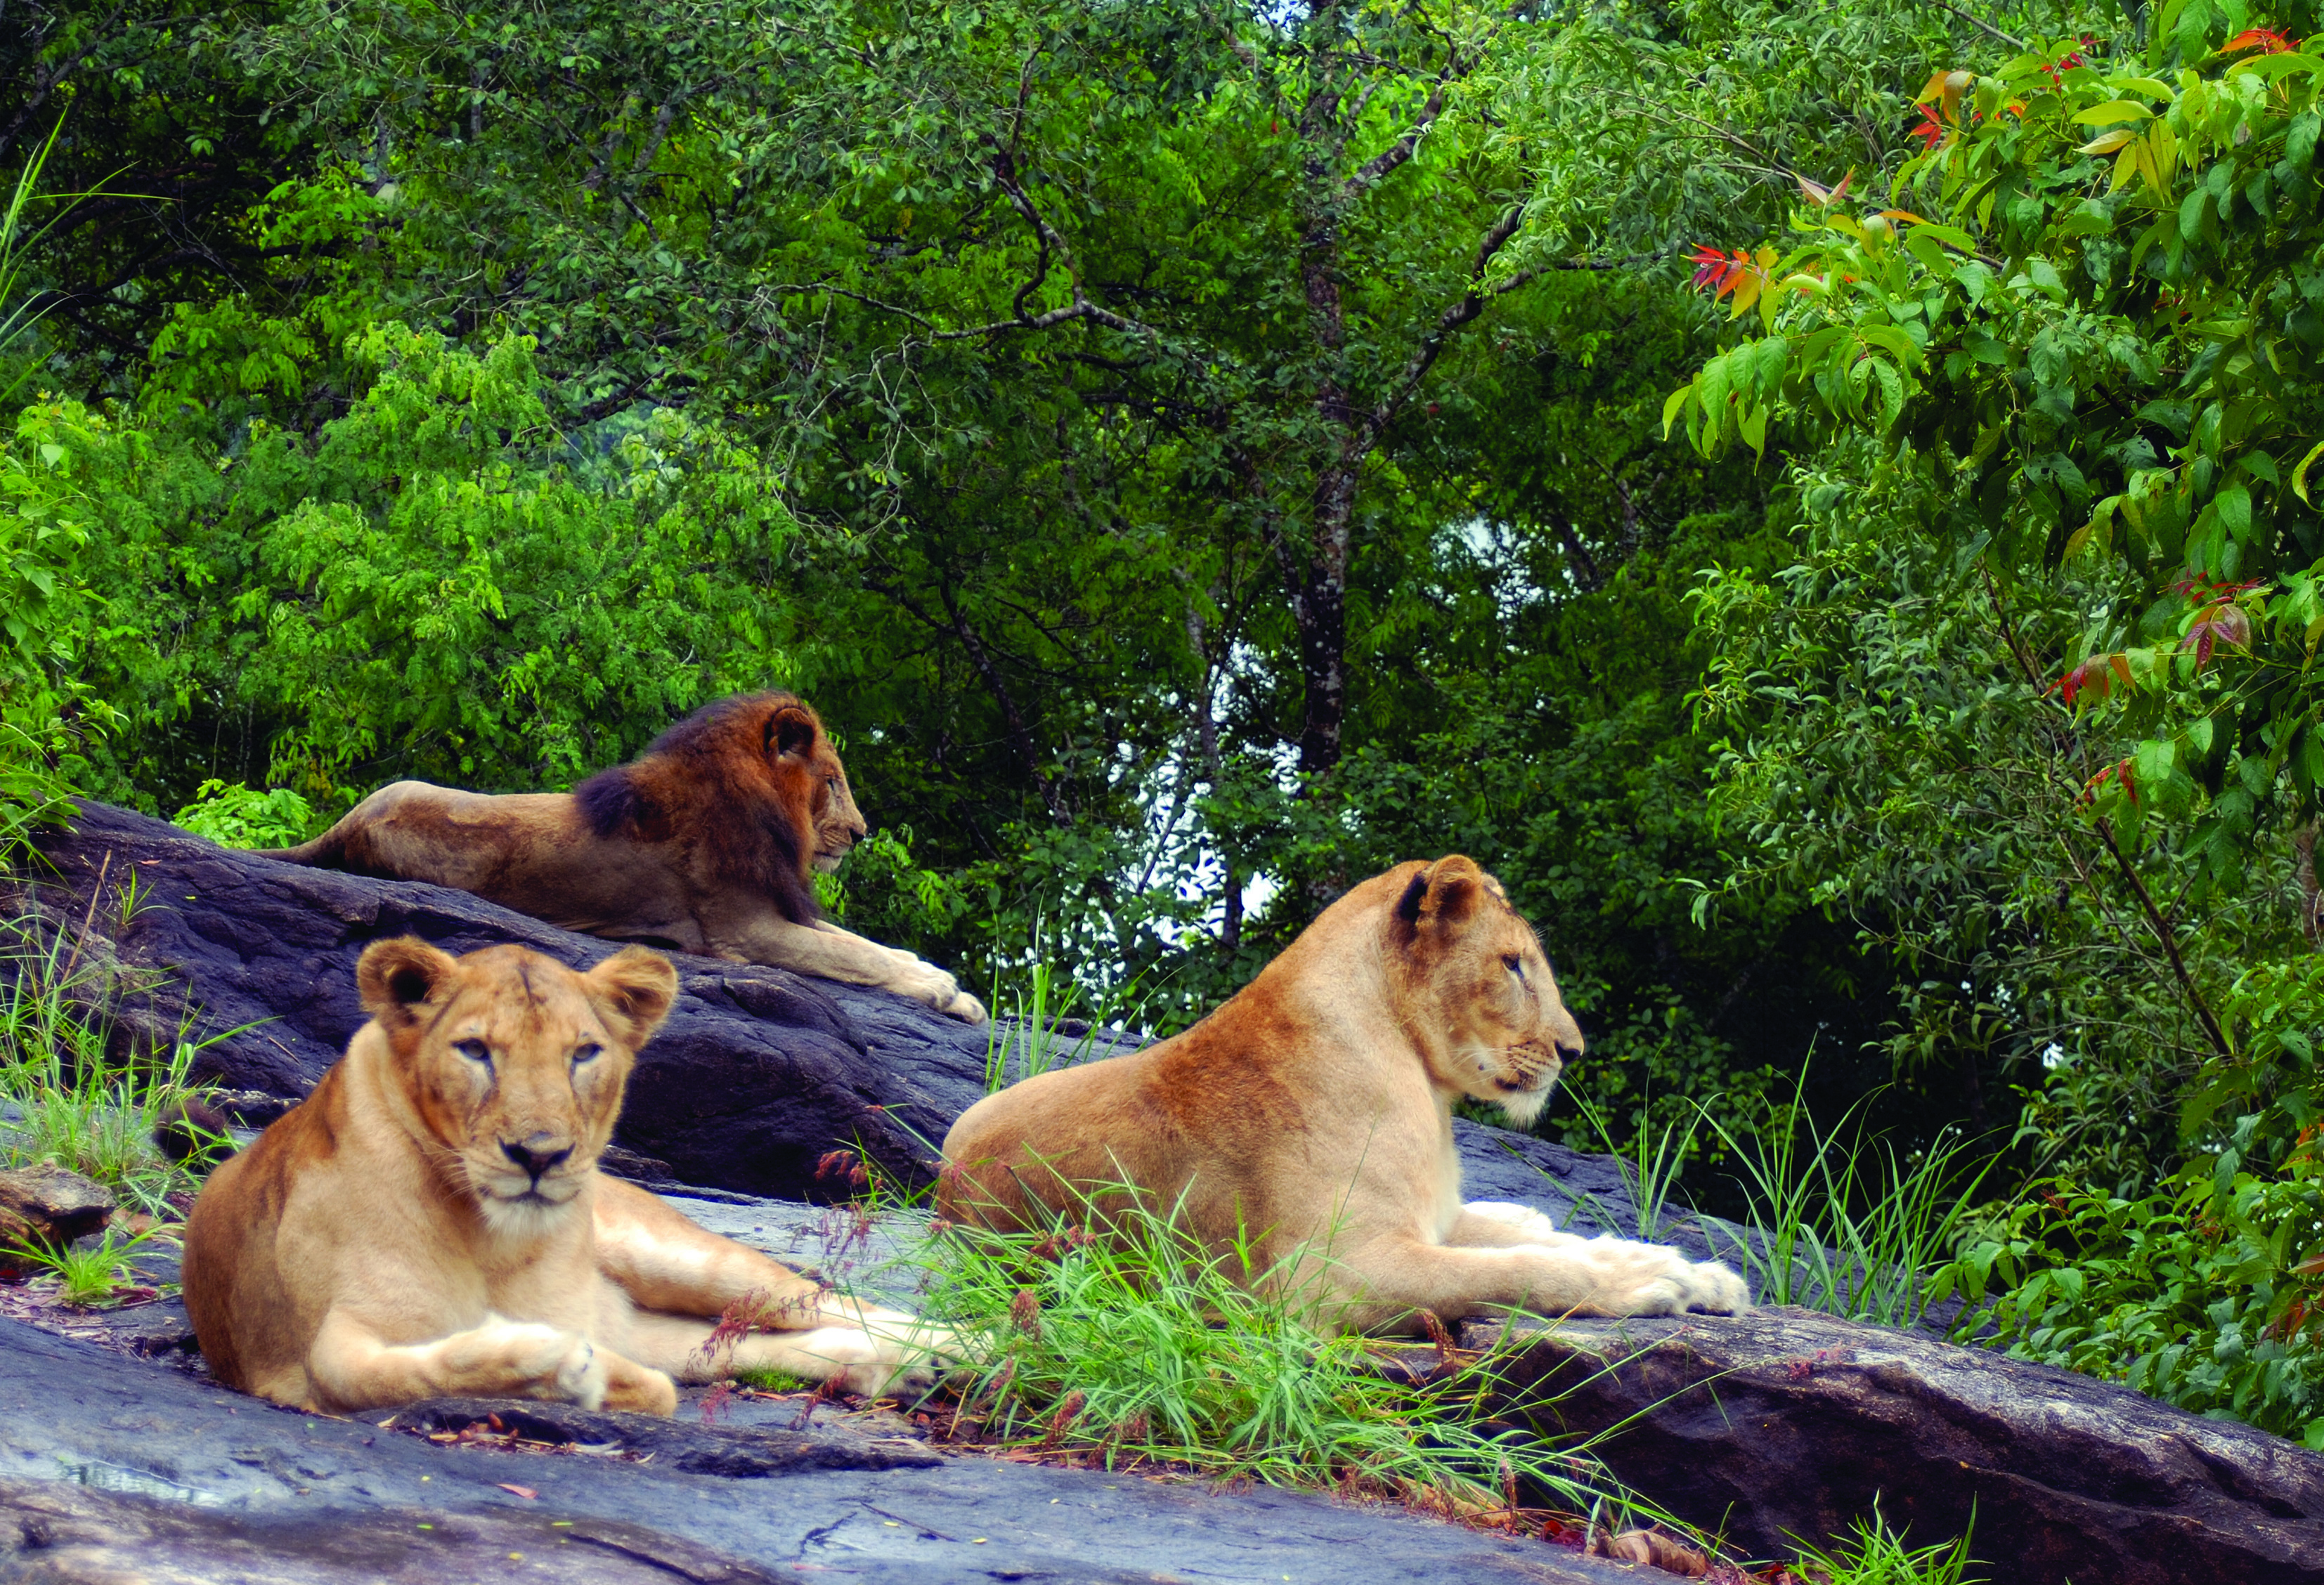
(1875, 1555)
(88, 1108)
(1845, 1223)
(1029, 1037)
(88, 1278)
(1147, 1347)
(771, 1380)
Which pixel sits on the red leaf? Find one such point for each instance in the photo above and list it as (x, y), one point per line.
(1715, 269)
(2266, 41)
(1931, 131)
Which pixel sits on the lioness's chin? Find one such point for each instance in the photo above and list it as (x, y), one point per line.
(1521, 1107)
(526, 1215)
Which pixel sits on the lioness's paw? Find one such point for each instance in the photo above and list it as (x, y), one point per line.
(963, 1007)
(560, 1366)
(1718, 1289)
(863, 1363)
(641, 1391)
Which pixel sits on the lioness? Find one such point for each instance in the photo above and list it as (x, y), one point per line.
(1314, 1112)
(430, 1221)
(704, 844)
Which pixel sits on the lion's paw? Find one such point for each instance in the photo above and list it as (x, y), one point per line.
(642, 1391)
(1718, 1289)
(562, 1366)
(963, 1007)
(865, 1364)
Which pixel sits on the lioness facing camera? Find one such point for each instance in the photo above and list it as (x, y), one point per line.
(431, 1222)
(1313, 1112)
(707, 843)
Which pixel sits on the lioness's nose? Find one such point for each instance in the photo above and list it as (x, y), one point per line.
(536, 1155)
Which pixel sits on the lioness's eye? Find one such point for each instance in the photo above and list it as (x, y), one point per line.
(1514, 963)
(475, 1051)
(588, 1052)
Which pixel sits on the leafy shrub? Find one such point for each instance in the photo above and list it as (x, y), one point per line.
(237, 816)
(2209, 1292)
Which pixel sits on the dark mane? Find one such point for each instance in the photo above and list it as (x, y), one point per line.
(609, 802)
(707, 766)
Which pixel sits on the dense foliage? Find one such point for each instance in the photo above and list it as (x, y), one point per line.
(1196, 454)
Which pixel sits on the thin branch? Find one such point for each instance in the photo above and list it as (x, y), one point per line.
(2011, 39)
(2163, 934)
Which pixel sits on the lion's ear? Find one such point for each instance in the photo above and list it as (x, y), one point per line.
(792, 730)
(1444, 893)
(396, 976)
(637, 985)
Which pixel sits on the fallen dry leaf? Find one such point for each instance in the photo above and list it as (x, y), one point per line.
(525, 1492)
(1649, 1546)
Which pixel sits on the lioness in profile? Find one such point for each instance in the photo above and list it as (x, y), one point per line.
(704, 844)
(431, 1222)
(1313, 1112)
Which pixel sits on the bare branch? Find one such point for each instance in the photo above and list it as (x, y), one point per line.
(1457, 68)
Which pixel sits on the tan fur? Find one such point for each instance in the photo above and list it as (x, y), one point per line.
(703, 844)
(431, 1222)
(1313, 1112)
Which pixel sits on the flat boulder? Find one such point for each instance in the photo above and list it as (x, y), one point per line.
(114, 1468)
(1788, 1423)
(46, 1205)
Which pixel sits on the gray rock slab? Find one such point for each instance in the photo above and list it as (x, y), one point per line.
(88, 1432)
(1785, 1422)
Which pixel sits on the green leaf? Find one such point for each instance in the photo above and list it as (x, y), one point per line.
(2235, 509)
(2113, 110)
(1674, 403)
(2299, 474)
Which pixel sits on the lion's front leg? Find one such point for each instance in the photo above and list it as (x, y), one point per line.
(825, 950)
(350, 1367)
(1390, 1280)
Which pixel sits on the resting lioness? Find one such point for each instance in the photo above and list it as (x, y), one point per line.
(1313, 1112)
(707, 843)
(430, 1221)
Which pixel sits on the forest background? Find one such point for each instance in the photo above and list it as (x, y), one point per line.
(1813, 494)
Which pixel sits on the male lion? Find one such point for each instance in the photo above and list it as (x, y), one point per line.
(704, 844)
(430, 1221)
(1314, 1112)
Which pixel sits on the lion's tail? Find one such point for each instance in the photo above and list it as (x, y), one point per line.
(326, 852)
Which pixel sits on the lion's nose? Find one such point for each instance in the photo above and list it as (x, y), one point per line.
(537, 1154)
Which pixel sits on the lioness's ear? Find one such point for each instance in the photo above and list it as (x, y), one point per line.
(792, 730)
(637, 985)
(393, 977)
(1444, 893)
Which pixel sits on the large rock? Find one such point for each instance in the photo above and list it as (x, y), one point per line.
(116, 1469)
(759, 1074)
(46, 1205)
(1785, 1422)
(1773, 1424)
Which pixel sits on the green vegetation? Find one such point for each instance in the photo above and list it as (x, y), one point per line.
(91, 1278)
(79, 1103)
(1147, 1347)
(1196, 454)
(1875, 1555)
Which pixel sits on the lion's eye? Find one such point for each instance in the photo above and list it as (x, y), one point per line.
(1514, 963)
(475, 1051)
(588, 1052)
